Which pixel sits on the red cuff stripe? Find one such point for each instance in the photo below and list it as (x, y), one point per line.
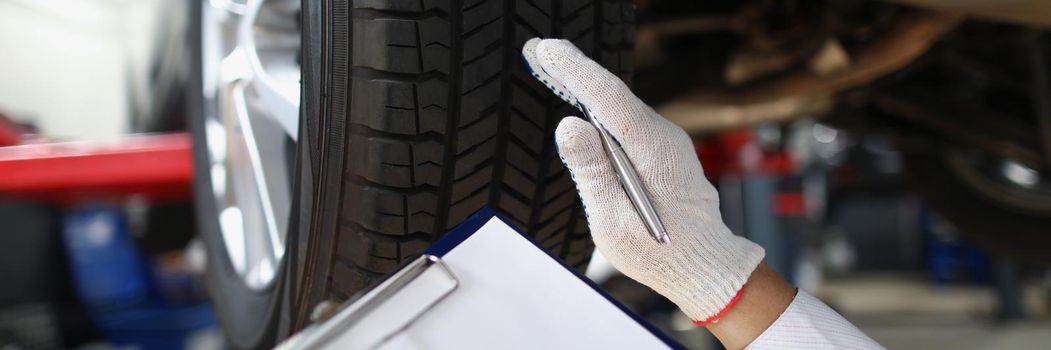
(721, 313)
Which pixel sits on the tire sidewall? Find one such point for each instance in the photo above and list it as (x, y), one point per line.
(993, 226)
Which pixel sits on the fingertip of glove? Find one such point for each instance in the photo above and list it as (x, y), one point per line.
(556, 52)
(574, 133)
(529, 48)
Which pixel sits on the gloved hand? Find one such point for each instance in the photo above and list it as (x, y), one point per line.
(705, 267)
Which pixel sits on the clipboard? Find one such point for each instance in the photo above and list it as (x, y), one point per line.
(422, 298)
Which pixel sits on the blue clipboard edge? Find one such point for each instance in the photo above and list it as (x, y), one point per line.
(468, 227)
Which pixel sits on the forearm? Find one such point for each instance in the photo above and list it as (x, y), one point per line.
(764, 298)
(770, 314)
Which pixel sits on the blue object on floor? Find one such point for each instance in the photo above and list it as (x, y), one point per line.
(112, 281)
(948, 258)
(106, 267)
(155, 326)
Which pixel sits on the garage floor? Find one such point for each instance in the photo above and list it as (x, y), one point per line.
(907, 312)
(953, 332)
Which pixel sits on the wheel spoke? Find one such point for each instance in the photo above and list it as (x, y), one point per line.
(255, 170)
(275, 73)
(251, 89)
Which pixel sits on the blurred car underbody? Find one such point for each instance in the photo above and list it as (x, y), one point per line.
(961, 86)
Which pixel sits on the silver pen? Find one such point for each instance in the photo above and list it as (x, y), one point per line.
(629, 179)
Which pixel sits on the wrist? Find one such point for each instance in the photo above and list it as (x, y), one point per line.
(713, 277)
(726, 309)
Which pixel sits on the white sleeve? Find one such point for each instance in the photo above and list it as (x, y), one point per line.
(808, 323)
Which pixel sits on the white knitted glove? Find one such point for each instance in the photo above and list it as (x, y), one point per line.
(705, 266)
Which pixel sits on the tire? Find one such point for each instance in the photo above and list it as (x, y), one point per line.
(413, 115)
(988, 222)
(422, 113)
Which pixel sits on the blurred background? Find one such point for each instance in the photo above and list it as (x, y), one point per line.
(892, 158)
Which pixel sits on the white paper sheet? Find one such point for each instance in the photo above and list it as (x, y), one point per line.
(511, 295)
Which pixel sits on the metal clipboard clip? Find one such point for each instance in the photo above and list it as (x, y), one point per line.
(408, 309)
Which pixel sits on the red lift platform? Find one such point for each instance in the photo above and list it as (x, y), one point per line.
(156, 166)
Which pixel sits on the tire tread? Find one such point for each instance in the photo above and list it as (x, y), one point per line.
(445, 119)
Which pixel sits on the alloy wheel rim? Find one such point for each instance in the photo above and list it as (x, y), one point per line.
(251, 82)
